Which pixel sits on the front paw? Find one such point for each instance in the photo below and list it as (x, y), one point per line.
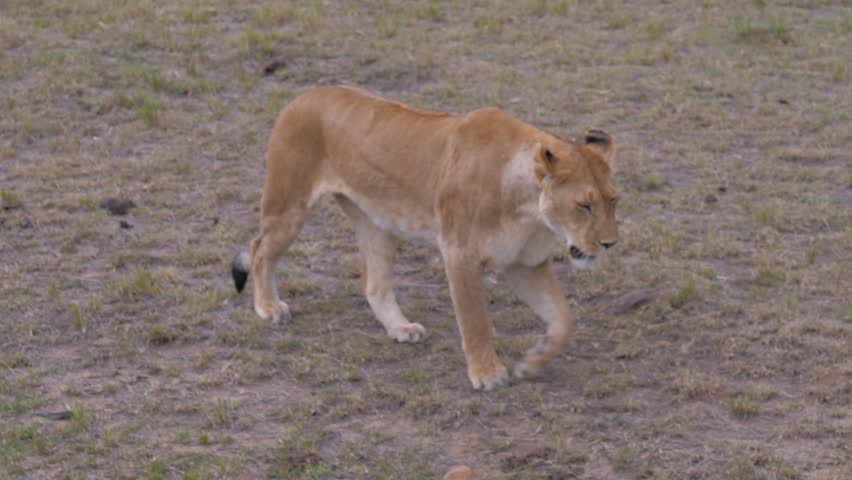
(488, 378)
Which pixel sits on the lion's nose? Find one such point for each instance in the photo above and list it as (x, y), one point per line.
(607, 245)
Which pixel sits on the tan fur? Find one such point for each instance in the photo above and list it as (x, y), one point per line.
(490, 190)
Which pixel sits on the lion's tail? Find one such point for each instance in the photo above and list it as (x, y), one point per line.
(239, 270)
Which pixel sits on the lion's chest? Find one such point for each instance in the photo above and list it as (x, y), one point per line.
(518, 244)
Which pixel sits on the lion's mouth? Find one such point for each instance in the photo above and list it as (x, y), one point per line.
(578, 254)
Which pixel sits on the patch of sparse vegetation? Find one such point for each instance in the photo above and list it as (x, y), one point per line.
(760, 465)
(766, 214)
(652, 182)
(488, 24)
(623, 456)
(744, 405)
(692, 385)
(141, 283)
(298, 456)
(768, 276)
(772, 29)
(607, 385)
(407, 463)
(160, 335)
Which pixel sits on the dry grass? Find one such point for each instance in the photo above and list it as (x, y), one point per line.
(125, 354)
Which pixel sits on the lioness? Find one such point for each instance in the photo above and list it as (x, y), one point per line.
(490, 190)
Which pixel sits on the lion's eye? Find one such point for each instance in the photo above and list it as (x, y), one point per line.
(585, 206)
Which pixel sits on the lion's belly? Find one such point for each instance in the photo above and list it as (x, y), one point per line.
(401, 216)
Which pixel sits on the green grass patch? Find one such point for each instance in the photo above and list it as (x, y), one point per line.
(81, 417)
(651, 182)
(684, 295)
(148, 108)
(8, 197)
(17, 403)
(18, 442)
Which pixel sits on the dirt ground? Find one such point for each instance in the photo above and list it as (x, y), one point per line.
(125, 353)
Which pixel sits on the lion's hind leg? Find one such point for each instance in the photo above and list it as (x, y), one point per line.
(277, 232)
(378, 251)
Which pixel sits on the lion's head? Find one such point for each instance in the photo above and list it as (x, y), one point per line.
(577, 201)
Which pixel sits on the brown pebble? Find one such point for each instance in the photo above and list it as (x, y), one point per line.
(461, 472)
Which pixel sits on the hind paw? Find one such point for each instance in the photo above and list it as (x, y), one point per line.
(276, 315)
(408, 333)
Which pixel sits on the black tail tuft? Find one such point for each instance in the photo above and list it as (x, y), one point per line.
(239, 270)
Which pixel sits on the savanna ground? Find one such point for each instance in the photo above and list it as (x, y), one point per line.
(125, 353)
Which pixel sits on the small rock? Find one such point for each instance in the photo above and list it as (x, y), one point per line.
(125, 225)
(61, 415)
(632, 300)
(722, 189)
(710, 198)
(117, 206)
(461, 472)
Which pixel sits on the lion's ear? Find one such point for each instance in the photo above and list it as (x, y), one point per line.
(545, 162)
(601, 143)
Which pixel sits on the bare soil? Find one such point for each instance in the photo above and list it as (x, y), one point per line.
(125, 352)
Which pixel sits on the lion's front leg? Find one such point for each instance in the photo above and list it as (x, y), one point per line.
(539, 288)
(465, 276)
